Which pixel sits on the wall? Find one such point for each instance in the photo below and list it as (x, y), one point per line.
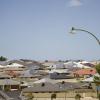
(68, 95)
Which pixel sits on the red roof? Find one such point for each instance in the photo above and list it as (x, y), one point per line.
(12, 73)
(88, 71)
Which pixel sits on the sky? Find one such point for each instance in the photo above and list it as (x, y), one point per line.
(39, 29)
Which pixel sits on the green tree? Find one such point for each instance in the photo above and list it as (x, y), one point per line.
(78, 97)
(98, 68)
(43, 84)
(97, 78)
(46, 60)
(63, 82)
(30, 96)
(99, 96)
(3, 58)
(53, 96)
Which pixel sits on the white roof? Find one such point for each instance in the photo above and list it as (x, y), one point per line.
(80, 65)
(75, 64)
(90, 79)
(15, 65)
(84, 62)
(58, 66)
(2, 66)
(59, 71)
(48, 63)
(45, 80)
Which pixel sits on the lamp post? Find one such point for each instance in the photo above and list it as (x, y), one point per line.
(74, 29)
(98, 41)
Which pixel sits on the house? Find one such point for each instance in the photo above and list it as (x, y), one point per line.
(62, 91)
(59, 74)
(33, 64)
(89, 80)
(57, 65)
(9, 84)
(31, 73)
(73, 64)
(1, 66)
(49, 63)
(4, 76)
(85, 72)
(95, 62)
(45, 80)
(14, 65)
(13, 72)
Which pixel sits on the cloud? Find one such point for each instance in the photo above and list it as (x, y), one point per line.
(74, 3)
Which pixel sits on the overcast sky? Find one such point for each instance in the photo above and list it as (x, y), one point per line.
(39, 29)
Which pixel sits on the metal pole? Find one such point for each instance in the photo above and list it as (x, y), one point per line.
(87, 32)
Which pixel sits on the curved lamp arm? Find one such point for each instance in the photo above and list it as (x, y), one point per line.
(87, 32)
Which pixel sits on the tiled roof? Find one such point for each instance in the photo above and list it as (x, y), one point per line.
(87, 71)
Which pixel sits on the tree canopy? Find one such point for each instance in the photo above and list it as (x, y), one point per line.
(97, 78)
(3, 58)
(98, 68)
(77, 97)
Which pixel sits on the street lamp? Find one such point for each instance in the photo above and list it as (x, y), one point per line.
(74, 29)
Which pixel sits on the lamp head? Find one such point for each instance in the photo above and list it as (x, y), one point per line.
(72, 30)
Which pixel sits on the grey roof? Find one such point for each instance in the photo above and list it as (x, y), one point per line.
(69, 85)
(70, 64)
(14, 61)
(15, 96)
(28, 63)
(59, 65)
(34, 64)
(45, 80)
(48, 87)
(3, 63)
(4, 75)
(9, 82)
(26, 74)
(31, 73)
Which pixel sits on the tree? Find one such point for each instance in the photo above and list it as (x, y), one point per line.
(97, 78)
(63, 82)
(3, 58)
(46, 60)
(99, 96)
(98, 68)
(43, 84)
(77, 97)
(53, 96)
(90, 86)
(30, 96)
